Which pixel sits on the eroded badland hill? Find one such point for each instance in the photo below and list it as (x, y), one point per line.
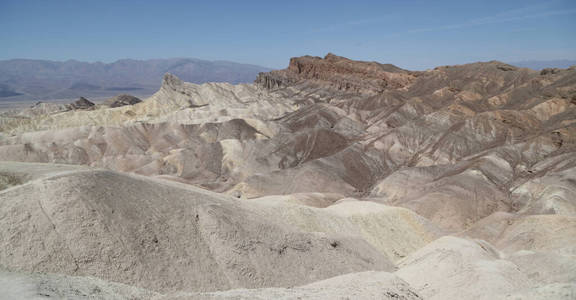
(330, 178)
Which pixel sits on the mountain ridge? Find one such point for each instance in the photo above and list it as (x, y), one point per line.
(543, 64)
(30, 79)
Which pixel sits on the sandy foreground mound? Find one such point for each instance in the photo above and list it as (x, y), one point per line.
(164, 236)
(454, 268)
(331, 178)
(79, 232)
(364, 285)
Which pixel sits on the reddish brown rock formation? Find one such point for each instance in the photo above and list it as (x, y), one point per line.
(339, 73)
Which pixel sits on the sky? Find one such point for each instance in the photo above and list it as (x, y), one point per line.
(408, 33)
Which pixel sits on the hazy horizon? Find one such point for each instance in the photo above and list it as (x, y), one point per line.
(533, 64)
(412, 35)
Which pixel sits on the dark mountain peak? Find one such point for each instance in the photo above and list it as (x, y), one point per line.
(81, 103)
(122, 100)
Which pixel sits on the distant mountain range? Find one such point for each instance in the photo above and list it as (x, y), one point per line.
(40, 80)
(542, 64)
(27, 79)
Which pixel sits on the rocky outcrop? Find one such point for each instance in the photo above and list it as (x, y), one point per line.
(339, 73)
(81, 103)
(122, 100)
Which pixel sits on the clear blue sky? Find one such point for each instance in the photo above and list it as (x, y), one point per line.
(410, 34)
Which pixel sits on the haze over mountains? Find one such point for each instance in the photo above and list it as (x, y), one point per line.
(25, 79)
(28, 80)
(330, 178)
